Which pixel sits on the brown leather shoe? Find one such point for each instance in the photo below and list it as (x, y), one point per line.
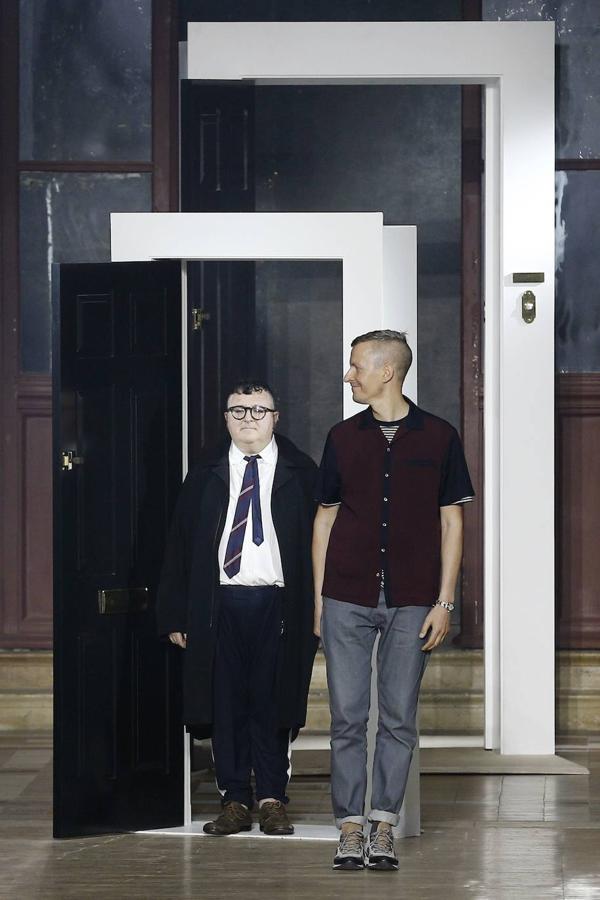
(233, 819)
(273, 818)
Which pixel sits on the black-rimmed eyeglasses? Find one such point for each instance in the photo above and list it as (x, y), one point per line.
(257, 412)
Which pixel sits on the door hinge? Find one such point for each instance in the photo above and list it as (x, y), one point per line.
(199, 317)
(69, 460)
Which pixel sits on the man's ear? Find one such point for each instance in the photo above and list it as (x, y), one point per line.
(388, 372)
(275, 418)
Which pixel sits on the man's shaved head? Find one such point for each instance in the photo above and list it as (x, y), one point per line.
(388, 347)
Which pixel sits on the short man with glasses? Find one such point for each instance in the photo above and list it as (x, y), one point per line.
(386, 554)
(236, 594)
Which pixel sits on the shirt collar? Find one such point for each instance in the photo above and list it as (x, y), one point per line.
(412, 421)
(268, 454)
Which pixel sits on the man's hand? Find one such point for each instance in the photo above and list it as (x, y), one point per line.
(318, 611)
(176, 637)
(438, 619)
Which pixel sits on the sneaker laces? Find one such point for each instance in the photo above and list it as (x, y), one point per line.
(271, 805)
(234, 812)
(382, 841)
(351, 842)
(273, 809)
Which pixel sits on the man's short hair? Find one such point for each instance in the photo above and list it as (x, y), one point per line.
(403, 353)
(250, 386)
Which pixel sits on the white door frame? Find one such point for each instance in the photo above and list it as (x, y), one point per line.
(379, 290)
(379, 287)
(515, 63)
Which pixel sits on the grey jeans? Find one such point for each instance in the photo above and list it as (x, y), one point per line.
(348, 633)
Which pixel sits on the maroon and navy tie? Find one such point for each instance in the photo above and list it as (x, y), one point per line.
(249, 494)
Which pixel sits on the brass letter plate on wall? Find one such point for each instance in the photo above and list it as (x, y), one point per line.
(123, 600)
(528, 278)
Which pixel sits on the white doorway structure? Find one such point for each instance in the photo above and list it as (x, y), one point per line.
(379, 290)
(514, 61)
(379, 277)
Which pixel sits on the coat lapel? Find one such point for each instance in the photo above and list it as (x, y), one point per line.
(283, 473)
(221, 469)
(218, 463)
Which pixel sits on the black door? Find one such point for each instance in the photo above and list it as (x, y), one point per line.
(118, 738)
(217, 175)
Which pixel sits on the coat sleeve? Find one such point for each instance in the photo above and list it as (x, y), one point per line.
(311, 642)
(172, 593)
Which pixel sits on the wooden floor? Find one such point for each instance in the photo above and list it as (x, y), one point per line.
(484, 836)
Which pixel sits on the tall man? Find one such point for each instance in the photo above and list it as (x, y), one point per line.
(387, 548)
(236, 594)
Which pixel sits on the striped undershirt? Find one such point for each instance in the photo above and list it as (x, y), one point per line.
(389, 429)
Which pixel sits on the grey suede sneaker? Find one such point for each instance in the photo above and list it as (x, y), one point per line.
(350, 851)
(379, 850)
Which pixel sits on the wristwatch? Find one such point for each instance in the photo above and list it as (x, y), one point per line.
(444, 605)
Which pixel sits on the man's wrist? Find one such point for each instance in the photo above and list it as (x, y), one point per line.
(445, 605)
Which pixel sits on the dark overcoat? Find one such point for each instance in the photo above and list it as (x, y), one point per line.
(188, 595)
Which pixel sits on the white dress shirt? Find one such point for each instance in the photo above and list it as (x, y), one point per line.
(260, 565)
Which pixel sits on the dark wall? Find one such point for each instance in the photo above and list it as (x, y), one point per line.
(298, 319)
(577, 271)
(84, 101)
(316, 11)
(393, 149)
(577, 66)
(577, 190)
(84, 76)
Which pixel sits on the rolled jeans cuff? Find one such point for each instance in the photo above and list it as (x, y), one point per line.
(359, 820)
(379, 815)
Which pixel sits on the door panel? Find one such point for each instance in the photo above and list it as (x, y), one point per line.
(217, 146)
(117, 412)
(217, 175)
(222, 349)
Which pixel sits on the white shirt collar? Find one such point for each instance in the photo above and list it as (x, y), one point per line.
(268, 454)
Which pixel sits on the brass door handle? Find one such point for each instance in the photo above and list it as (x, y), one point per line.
(69, 460)
(199, 317)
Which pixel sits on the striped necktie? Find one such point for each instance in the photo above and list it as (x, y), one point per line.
(249, 494)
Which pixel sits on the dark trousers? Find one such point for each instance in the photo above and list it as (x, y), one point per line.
(246, 736)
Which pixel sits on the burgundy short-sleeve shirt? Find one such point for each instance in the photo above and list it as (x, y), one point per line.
(387, 529)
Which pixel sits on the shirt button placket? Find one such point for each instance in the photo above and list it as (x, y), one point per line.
(384, 523)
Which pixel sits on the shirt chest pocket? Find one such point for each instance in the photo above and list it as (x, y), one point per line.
(419, 479)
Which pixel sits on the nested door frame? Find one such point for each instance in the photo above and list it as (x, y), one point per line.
(514, 61)
(379, 289)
